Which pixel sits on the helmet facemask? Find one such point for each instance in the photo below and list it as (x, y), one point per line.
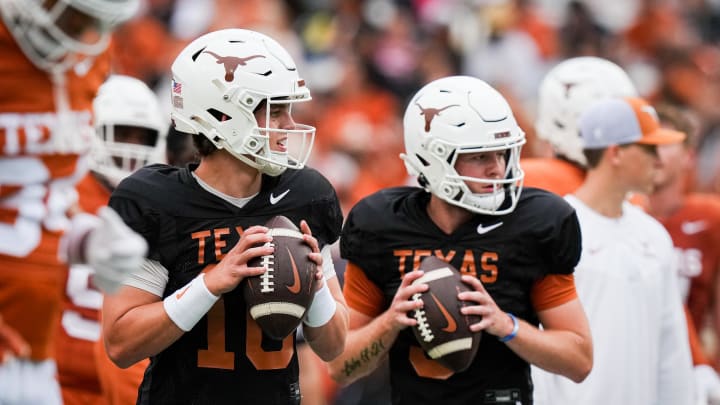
(298, 143)
(509, 185)
(115, 159)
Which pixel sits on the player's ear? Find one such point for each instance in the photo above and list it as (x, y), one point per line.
(614, 154)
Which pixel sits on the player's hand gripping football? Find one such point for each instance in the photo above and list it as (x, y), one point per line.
(494, 320)
(315, 256)
(402, 305)
(113, 250)
(233, 268)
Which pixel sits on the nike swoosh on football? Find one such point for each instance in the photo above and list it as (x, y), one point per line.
(274, 200)
(485, 229)
(693, 227)
(451, 324)
(295, 287)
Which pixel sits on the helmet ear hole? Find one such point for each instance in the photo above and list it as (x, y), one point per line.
(219, 115)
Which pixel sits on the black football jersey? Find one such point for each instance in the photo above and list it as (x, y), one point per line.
(225, 358)
(388, 233)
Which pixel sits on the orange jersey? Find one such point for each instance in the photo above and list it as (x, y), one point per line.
(554, 175)
(84, 369)
(79, 328)
(695, 231)
(119, 386)
(40, 161)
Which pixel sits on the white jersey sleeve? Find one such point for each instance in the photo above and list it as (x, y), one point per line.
(152, 277)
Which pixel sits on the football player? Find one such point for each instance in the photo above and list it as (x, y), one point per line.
(233, 90)
(693, 221)
(52, 64)
(565, 92)
(626, 276)
(463, 144)
(130, 134)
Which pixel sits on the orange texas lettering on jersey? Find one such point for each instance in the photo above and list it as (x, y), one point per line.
(41, 148)
(40, 161)
(409, 260)
(218, 238)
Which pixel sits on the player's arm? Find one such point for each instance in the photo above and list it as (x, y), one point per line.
(138, 323)
(564, 346)
(370, 338)
(325, 324)
(327, 340)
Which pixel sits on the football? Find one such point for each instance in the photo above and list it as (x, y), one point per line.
(442, 330)
(278, 299)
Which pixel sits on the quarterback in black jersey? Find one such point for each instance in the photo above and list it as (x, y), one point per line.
(203, 225)
(517, 251)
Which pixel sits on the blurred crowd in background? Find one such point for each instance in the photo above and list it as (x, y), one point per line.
(363, 59)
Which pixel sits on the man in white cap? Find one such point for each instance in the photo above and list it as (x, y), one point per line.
(625, 277)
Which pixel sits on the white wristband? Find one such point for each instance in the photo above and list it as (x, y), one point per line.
(328, 266)
(321, 309)
(189, 304)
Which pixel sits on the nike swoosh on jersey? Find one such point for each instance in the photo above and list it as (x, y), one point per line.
(451, 324)
(485, 229)
(693, 227)
(295, 287)
(275, 199)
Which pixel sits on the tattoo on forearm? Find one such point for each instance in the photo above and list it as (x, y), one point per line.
(367, 354)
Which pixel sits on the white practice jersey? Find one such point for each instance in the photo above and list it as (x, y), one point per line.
(628, 286)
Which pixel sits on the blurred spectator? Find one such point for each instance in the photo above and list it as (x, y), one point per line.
(580, 34)
(361, 120)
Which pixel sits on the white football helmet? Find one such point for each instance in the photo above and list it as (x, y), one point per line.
(59, 34)
(567, 90)
(462, 114)
(124, 101)
(218, 82)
